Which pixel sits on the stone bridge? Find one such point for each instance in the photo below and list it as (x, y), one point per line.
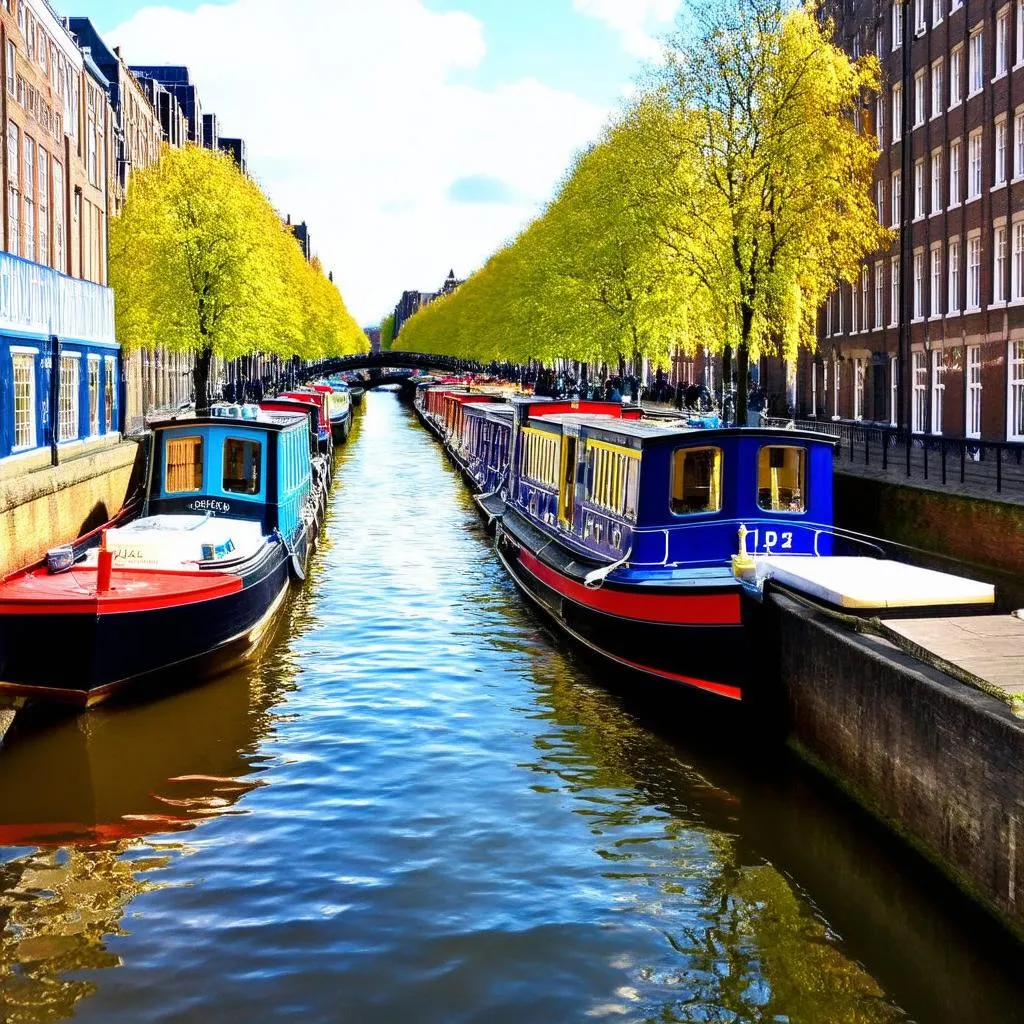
(379, 362)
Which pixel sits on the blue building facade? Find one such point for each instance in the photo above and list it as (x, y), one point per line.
(60, 365)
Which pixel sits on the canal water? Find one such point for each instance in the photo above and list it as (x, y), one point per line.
(419, 807)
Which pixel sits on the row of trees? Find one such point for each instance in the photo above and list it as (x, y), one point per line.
(200, 262)
(717, 211)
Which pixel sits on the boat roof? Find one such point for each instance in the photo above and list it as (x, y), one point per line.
(652, 432)
(264, 419)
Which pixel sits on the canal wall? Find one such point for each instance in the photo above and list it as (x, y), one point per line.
(935, 759)
(52, 505)
(981, 531)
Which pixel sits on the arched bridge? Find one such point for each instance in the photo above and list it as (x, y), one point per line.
(421, 361)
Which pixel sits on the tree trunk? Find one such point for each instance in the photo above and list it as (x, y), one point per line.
(201, 380)
(726, 373)
(742, 372)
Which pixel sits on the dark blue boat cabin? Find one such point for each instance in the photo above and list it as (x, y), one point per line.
(252, 468)
(668, 497)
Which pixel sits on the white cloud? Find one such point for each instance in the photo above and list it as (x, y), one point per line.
(635, 21)
(357, 121)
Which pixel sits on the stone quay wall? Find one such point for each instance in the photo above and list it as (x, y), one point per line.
(936, 760)
(54, 505)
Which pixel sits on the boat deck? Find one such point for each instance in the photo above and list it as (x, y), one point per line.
(990, 647)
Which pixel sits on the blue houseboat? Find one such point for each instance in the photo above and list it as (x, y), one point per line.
(624, 531)
(229, 516)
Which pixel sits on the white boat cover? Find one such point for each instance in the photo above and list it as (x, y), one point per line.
(175, 541)
(871, 583)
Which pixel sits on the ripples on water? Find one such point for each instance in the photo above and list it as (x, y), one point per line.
(416, 807)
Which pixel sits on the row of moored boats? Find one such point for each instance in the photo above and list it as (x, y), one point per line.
(657, 543)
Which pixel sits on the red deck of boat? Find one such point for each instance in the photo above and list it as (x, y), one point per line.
(131, 590)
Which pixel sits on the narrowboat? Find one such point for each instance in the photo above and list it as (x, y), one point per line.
(188, 588)
(633, 536)
(339, 408)
(325, 441)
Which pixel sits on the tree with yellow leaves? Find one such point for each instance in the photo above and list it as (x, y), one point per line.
(770, 205)
(200, 262)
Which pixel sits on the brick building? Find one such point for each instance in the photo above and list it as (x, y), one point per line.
(932, 332)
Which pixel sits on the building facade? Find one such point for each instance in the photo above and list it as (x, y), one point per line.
(931, 334)
(59, 361)
(411, 301)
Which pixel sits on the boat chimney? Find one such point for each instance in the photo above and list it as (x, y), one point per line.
(104, 566)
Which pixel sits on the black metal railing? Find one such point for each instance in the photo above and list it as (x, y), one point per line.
(971, 464)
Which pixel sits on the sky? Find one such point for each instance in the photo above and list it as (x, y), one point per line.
(413, 136)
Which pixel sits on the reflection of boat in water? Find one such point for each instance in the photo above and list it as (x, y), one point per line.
(81, 792)
(772, 878)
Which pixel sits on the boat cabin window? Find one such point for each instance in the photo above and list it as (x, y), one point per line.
(242, 466)
(540, 457)
(696, 480)
(781, 484)
(184, 474)
(613, 479)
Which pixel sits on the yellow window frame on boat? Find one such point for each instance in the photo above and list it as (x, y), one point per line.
(610, 476)
(782, 488)
(540, 460)
(683, 504)
(184, 462)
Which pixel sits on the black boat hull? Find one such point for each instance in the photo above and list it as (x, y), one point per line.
(708, 653)
(83, 659)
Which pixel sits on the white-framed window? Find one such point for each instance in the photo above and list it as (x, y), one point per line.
(1020, 32)
(110, 393)
(936, 12)
(1002, 41)
(936, 181)
(858, 389)
(840, 320)
(918, 188)
(828, 317)
(897, 111)
(935, 290)
(956, 75)
(12, 61)
(894, 290)
(864, 298)
(28, 239)
(43, 193)
(1017, 264)
(894, 394)
(880, 119)
(938, 389)
(24, 373)
(835, 386)
(974, 271)
(824, 387)
(878, 39)
(918, 284)
(999, 264)
(880, 200)
(975, 62)
(954, 173)
(814, 388)
(897, 24)
(999, 169)
(67, 420)
(953, 300)
(897, 189)
(879, 293)
(973, 420)
(920, 97)
(854, 309)
(13, 196)
(920, 25)
(1018, 141)
(58, 217)
(974, 164)
(1015, 388)
(938, 91)
(94, 395)
(919, 407)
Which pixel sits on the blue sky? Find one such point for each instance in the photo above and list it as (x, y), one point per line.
(412, 135)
